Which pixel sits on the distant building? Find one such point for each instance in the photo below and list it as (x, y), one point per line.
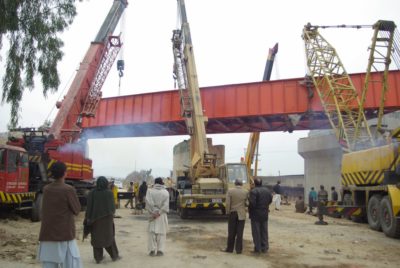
(292, 185)
(286, 180)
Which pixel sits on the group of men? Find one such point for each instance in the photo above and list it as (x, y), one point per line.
(139, 194)
(314, 198)
(257, 201)
(58, 246)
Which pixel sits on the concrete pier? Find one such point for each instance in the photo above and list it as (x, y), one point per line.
(322, 161)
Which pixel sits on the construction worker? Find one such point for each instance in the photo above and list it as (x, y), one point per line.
(130, 200)
(136, 193)
(322, 199)
(114, 189)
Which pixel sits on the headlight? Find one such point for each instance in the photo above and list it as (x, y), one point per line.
(189, 201)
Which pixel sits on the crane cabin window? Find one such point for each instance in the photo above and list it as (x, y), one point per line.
(236, 171)
(13, 157)
(23, 160)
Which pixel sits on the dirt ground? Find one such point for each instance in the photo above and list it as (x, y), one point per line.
(294, 242)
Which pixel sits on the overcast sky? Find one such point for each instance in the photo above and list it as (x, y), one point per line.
(231, 40)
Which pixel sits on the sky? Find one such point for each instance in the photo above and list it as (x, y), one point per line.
(231, 40)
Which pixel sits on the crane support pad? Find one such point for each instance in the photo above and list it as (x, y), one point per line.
(15, 198)
(338, 211)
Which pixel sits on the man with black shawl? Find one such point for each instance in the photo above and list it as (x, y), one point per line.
(100, 219)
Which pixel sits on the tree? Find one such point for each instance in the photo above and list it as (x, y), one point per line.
(45, 126)
(138, 176)
(32, 28)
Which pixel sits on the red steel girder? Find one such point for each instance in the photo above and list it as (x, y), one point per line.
(259, 106)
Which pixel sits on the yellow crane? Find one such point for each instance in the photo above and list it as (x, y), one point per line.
(252, 146)
(204, 183)
(370, 174)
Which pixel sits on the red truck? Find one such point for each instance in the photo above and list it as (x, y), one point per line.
(25, 160)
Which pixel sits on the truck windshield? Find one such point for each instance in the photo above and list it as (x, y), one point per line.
(236, 171)
(12, 161)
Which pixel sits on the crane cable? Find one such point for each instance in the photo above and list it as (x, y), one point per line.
(395, 47)
(120, 61)
(62, 91)
(396, 38)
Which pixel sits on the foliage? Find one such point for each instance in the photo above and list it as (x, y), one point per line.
(46, 125)
(139, 176)
(33, 47)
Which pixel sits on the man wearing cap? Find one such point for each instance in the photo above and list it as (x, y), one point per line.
(157, 205)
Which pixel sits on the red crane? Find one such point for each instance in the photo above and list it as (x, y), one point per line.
(29, 158)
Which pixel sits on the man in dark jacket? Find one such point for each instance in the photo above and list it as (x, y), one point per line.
(259, 201)
(334, 194)
(142, 195)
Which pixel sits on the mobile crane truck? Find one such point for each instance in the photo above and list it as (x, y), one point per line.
(370, 174)
(202, 178)
(25, 161)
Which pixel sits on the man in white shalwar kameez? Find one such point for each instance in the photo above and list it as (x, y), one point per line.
(157, 205)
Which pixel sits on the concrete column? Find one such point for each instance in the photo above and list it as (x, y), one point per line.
(322, 162)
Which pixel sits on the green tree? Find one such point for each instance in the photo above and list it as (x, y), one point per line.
(45, 126)
(31, 28)
(138, 176)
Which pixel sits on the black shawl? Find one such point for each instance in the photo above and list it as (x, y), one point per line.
(100, 202)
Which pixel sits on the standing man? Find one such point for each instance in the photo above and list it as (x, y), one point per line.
(136, 191)
(58, 247)
(157, 204)
(114, 190)
(142, 195)
(130, 200)
(100, 219)
(277, 197)
(236, 209)
(260, 199)
(299, 206)
(312, 198)
(322, 199)
(334, 194)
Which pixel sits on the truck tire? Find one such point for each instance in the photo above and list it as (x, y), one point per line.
(390, 224)
(373, 216)
(36, 214)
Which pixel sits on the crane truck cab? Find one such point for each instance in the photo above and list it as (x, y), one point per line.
(207, 193)
(230, 172)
